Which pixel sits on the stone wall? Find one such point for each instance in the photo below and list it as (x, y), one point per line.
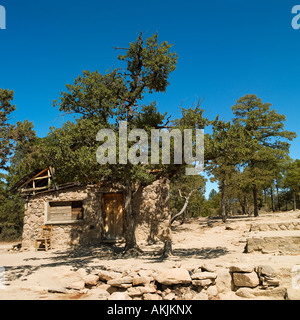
(153, 216)
(206, 282)
(151, 205)
(64, 234)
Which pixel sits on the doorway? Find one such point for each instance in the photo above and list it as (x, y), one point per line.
(113, 216)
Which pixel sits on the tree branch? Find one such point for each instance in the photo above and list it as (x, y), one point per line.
(184, 206)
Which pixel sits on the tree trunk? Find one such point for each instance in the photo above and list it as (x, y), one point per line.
(183, 208)
(130, 224)
(242, 206)
(167, 250)
(294, 200)
(255, 201)
(272, 200)
(266, 200)
(223, 201)
(278, 202)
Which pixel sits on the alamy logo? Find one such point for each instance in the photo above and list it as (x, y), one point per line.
(2, 18)
(295, 20)
(138, 153)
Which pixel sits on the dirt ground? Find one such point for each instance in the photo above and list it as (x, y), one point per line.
(29, 274)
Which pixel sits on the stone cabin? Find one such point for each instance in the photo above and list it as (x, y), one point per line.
(90, 214)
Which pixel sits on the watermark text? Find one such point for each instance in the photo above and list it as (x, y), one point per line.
(2, 17)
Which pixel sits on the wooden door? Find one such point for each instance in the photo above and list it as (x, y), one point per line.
(113, 216)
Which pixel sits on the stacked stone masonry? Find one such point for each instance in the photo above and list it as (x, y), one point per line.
(202, 283)
(151, 206)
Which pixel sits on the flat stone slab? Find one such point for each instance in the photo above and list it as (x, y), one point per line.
(286, 242)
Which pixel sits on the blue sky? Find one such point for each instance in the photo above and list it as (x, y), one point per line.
(226, 49)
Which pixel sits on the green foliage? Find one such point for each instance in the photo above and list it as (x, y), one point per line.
(11, 214)
(6, 129)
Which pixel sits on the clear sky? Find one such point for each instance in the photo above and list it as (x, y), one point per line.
(226, 49)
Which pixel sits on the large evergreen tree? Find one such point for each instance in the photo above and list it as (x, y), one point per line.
(266, 139)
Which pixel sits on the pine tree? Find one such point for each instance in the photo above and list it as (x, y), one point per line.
(6, 129)
(265, 139)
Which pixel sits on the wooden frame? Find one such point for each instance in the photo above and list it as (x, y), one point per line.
(45, 239)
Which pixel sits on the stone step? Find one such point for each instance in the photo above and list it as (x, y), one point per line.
(276, 226)
(284, 242)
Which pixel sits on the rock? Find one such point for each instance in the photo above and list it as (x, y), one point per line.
(103, 286)
(141, 280)
(57, 290)
(269, 281)
(202, 283)
(208, 267)
(241, 267)
(245, 293)
(212, 292)
(91, 280)
(200, 296)
(223, 280)
(146, 273)
(112, 289)
(292, 294)
(119, 282)
(72, 280)
(152, 296)
(245, 279)
(204, 275)
(173, 276)
(97, 294)
(82, 272)
(119, 296)
(273, 293)
(108, 275)
(265, 270)
(169, 296)
(139, 291)
(232, 227)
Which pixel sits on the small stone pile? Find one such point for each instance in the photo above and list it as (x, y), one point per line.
(250, 282)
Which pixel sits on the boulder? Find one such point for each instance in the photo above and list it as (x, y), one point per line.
(249, 279)
(173, 276)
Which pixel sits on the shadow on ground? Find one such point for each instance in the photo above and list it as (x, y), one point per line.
(86, 256)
